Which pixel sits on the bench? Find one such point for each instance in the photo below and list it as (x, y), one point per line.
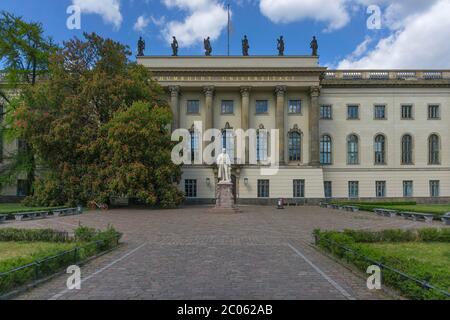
(417, 216)
(446, 219)
(3, 217)
(323, 205)
(351, 208)
(385, 212)
(21, 215)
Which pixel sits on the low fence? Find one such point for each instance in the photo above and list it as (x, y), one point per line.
(425, 285)
(32, 273)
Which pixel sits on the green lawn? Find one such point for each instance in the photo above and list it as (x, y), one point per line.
(17, 207)
(437, 209)
(11, 250)
(434, 254)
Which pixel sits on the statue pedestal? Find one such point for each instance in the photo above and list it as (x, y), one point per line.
(225, 198)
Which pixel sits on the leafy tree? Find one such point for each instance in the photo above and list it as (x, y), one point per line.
(24, 57)
(99, 125)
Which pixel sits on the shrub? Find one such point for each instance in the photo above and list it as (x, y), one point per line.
(33, 235)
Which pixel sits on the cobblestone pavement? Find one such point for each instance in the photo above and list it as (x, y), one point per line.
(261, 253)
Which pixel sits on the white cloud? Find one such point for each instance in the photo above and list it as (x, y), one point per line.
(420, 41)
(109, 10)
(334, 13)
(141, 23)
(205, 18)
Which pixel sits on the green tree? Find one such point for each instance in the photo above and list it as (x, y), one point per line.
(99, 125)
(24, 57)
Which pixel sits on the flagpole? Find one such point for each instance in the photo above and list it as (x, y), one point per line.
(228, 30)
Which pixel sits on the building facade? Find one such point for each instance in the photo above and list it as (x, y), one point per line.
(342, 134)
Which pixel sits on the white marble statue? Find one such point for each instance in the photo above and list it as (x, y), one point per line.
(224, 163)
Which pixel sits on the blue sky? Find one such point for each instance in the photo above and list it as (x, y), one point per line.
(413, 33)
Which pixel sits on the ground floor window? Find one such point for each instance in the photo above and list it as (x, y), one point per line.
(190, 188)
(328, 186)
(380, 189)
(407, 188)
(299, 188)
(263, 189)
(353, 189)
(23, 189)
(434, 188)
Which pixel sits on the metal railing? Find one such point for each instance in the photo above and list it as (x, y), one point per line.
(421, 283)
(40, 269)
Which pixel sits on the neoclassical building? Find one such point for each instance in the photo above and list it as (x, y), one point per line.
(342, 134)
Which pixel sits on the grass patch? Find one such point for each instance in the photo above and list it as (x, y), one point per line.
(29, 251)
(437, 209)
(17, 208)
(423, 254)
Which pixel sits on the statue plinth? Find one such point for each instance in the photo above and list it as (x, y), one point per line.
(225, 199)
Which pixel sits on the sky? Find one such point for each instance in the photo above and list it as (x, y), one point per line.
(352, 34)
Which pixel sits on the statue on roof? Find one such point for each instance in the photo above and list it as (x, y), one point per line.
(280, 46)
(141, 47)
(174, 47)
(314, 46)
(208, 48)
(245, 46)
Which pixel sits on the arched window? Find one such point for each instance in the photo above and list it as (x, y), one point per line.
(380, 149)
(352, 149)
(325, 149)
(407, 149)
(261, 144)
(228, 138)
(434, 149)
(295, 144)
(195, 144)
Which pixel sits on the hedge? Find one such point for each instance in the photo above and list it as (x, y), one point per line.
(33, 235)
(334, 242)
(17, 272)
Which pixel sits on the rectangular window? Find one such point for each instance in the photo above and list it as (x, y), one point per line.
(262, 106)
(407, 112)
(299, 188)
(328, 186)
(227, 107)
(22, 188)
(434, 112)
(380, 189)
(434, 188)
(380, 112)
(295, 106)
(193, 106)
(261, 145)
(190, 188)
(407, 188)
(326, 112)
(352, 112)
(263, 189)
(353, 189)
(195, 146)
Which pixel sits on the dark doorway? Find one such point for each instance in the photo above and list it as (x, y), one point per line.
(233, 180)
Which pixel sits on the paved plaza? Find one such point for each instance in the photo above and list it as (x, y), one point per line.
(189, 253)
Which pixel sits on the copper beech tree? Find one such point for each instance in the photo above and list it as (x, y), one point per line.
(99, 126)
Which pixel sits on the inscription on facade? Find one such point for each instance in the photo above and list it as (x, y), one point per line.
(227, 78)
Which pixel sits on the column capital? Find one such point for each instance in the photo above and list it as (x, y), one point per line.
(315, 91)
(280, 90)
(245, 91)
(174, 90)
(208, 91)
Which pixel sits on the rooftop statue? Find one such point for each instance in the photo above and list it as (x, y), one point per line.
(174, 47)
(314, 46)
(280, 46)
(208, 48)
(141, 47)
(245, 46)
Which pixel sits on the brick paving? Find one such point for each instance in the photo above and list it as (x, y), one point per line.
(189, 253)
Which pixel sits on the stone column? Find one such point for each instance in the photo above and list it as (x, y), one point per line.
(175, 106)
(280, 92)
(245, 118)
(209, 107)
(314, 143)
